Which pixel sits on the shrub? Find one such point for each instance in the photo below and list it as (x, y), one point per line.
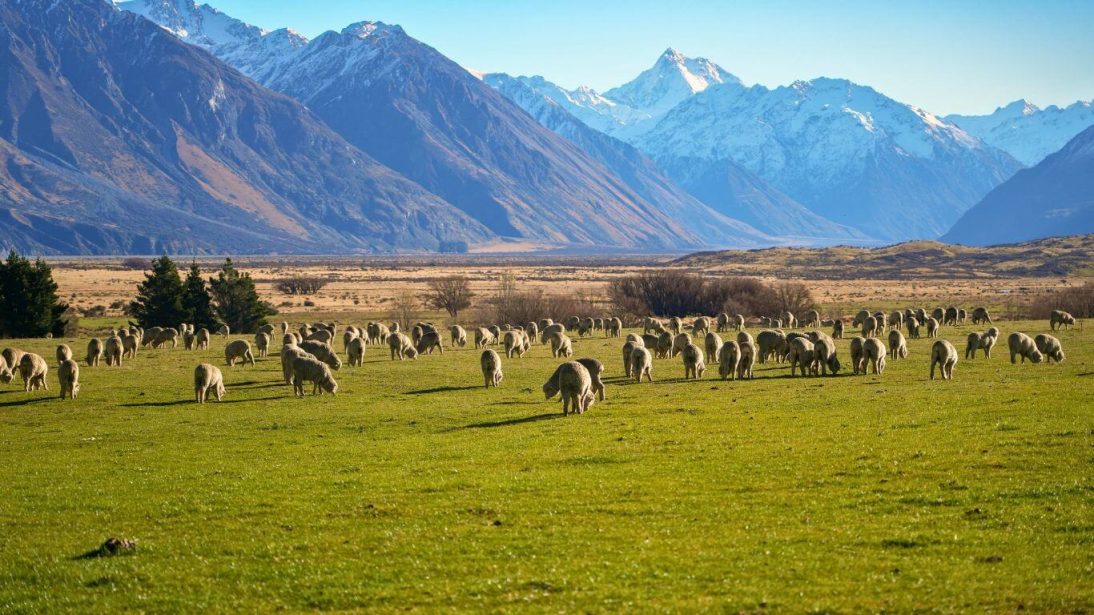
(521, 307)
(301, 285)
(135, 262)
(450, 294)
(1076, 300)
(677, 293)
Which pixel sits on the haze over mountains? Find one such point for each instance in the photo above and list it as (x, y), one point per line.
(126, 140)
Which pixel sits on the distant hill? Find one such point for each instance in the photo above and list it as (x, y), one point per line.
(1055, 256)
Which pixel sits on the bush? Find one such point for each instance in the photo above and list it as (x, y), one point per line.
(301, 285)
(1076, 300)
(95, 312)
(677, 293)
(522, 307)
(135, 262)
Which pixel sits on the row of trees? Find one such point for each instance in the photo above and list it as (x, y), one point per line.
(29, 305)
(164, 299)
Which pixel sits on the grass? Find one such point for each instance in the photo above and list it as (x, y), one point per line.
(416, 488)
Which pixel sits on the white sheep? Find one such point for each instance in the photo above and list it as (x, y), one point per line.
(224, 330)
(288, 353)
(64, 353)
(694, 366)
(201, 338)
(1061, 319)
(857, 354)
(491, 368)
(309, 369)
(664, 345)
(722, 322)
(944, 355)
(980, 315)
(514, 343)
(1022, 345)
(355, 352)
(873, 355)
(748, 359)
(572, 381)
(932, 327)
(837, 329)
(33, 369)
(729, 356)
(896, 320)
(262, 343)
(870, 327)
(701, 326)
(130, 343)
(68, 373)
(94, 352)
(613, 327)
(824, 354)
(401, 346)
(238, 350)
(321, 335)
(596, 372)
(801, 355)
(322, 352)
(628, 348)
(912, 323)
(712, 343)
(1050, 347)
(898, 346)
(531, 330)
(114, 351)
(641, 364)
(208, 378)
(678, 343)
(561, 346)
(459, 336)
(811, 319)
(428, 342)
(771, 343)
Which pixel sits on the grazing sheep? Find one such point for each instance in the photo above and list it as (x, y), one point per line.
(149, 335)
(355, 352)
(932, 327)
(188, 340)
(694, 366)
(267, 328)
(130, 343)
(944, 355)
(400, 345)
(722, 322)
(94, 352)
(950, 316)
(544, 323)
(262, 342)
(981, 341)
(68, 373)
(857, 354)
(1022, 345)
(33, 369)
(514, 344)
(649, 340)
(824, 354)
(938, 314)
(323, 352)
(870, 327)
(921, 315)
(545, 333)
(491, 368)
(238, 350)
(790, 320)
(1060, 318)
(664, 345)
(64, 353)
(459, 336)
(288, 353)
(114, 350)
(729, 355)
(771, 344)
(873, 355)
(163, 337)
(748, 358)
(811, 319)
(777, 323)
(678, 343)
(652, 324)
(483, 337)
(532, 331)
(701, 326)
(596, 371)
(572, 381)
(860, 318)
(961, 315)
(12, 356)
(598, 324)
(628, 348)
(613, 327)
(223, 330)
(641, 364)
(980, 315)
(572, 323)
(320, 335)
(837, 329)
(913, 327)
(712, 343)
(800, 354)
(896, 320)
(430, 341)
(495, 333)
(309, 369)
(416, 334)
(744, 337)
(201, 338)
(284, 327)
(585, 327)
(561, 346)
(634, 337)
(1050, 347)
(740, 322)
(898, 346)
(208, 378)
(675, 325)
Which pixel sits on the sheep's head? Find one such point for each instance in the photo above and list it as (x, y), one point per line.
(550, 388)
(833, 364)
(6, 376)
(1036, 356)
(329, 385)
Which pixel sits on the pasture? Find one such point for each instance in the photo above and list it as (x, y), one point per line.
(417, 489)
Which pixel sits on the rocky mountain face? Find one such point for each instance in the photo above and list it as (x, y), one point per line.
(1027, 132)
(1055, 197)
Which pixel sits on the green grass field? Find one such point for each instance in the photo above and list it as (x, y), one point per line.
(416, 488)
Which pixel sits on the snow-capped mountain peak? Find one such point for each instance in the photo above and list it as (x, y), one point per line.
(1026, 131)
(364, 29)
(200, 25)
(672, 79)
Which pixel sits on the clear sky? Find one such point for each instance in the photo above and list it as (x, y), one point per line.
(960, 56)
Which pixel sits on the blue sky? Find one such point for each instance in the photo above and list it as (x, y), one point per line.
(948, 57)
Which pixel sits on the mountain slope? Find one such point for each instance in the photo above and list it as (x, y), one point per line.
(1056, 197)
(673, 78)
(1026, 132)
(116, 137)
(728, 189)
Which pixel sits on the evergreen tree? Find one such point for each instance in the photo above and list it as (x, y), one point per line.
(237, 302)
(197, 303)
(159, 297)
(29, 305)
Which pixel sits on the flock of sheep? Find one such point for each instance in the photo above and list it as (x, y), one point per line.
(308, 354)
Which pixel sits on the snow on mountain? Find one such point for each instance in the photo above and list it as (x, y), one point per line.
(1027, 132)
(586, 104)
(672, 79)
(844, 150)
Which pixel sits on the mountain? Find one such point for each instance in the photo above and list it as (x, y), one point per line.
(1027, 132)
(116, 137)
(1056, 197)
(672, 79)
(728, 189)
(421, 114)
(845, 151)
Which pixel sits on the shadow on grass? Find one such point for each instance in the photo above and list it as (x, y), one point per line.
(24, 402)
(211, 400)
(447, 389)
(516, 421)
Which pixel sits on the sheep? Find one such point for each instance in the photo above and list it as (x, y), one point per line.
(641, 364)
(430, 341)
(873, 355)
(483, 338)
(800, 353)
(824, 354)
(64, 353)
(355, 352)
(546, 332)
(932, 327)
(544, 323)
(776, 323)
(201, 338)
(574, 384)
(896, 320)
(598, 324)
(267, 328)
(596, 371)
(288, 353)
(188, 339)
(637, 339)
(148, 337)
(491, 368)
(700, 326)
(400, 344)
(790, 320)
(664, 345)
(514, 344)
(130, 343)
(459, 336)
(961, 315)
(12, 357)
(416, 334)
(164, 336)
(613, 327)
(1050, 347)
(208, 378)
(860, 318)
(748, 358)
(649, 340)
(113, 351)
(712, 343)
(284, 327)
(94, 352)
(224, 330)
(323, 352)
(729, 355)
(1060, 318)
(912, 325)
(837, 329)
(980, 315)
(320, 335)
(857, 354)
(68, 373)
(33, 369)
(1022, 345)
(694, 365)
(745, 337)
(944, 355)
(740, 322)
(811, 319)
(572, 323)
(238, 349)
(652, 324)
(870, 327)
(678, 343)
(560, 345)
(262, 342)
(921, 315)
(495, 332)
(771, 344)
(628, 348)
(675, 325)
(898, 346)
(309, 369)
(531, 330)
(977, 341)
(721, 322)
(950, 316)
(585, 327)
(938, 314)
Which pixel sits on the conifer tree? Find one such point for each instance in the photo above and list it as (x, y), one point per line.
(29, 305)
(197, 303)
(159, 297)
(236, 300)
